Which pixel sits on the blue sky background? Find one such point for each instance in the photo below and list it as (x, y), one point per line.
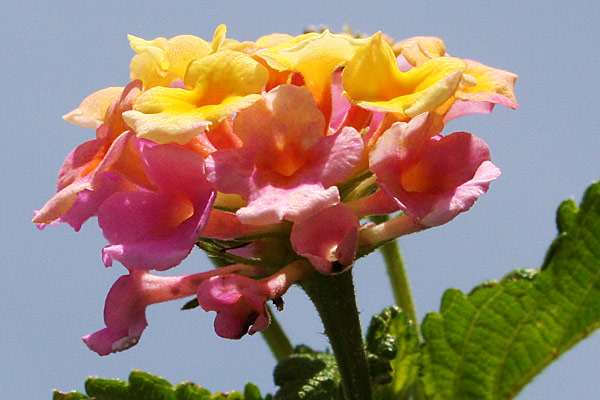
(53, 283)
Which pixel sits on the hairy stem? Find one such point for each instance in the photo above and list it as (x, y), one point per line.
(334, 298)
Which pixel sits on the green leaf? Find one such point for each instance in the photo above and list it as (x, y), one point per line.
(107, 389)
(145, 386)
(307, 375)
(252, 392)
(490, 343)
(391, 337)
(190, 391)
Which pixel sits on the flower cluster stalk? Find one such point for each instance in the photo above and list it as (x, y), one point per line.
(335, 300)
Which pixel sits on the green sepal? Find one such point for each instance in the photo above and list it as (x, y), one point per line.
(490, 343)
(307, 375)
(190, 305)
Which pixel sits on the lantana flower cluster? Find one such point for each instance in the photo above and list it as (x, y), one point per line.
(269, 155)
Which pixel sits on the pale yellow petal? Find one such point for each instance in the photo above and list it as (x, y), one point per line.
(419, 49)
(183, 49)
(219, 37)
(92, 110)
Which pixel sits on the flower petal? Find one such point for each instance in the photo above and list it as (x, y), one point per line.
(223, 82)
(157, 229)
(432, 178)
(372, 80)
(327, 239)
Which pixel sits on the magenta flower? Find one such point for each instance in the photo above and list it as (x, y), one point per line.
(432, 178)
(287, 165)
(240, 301)
(155, 227)
(327, 239)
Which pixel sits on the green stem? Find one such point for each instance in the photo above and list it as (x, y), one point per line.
(398, 277)
(334, 298)
(277, 340)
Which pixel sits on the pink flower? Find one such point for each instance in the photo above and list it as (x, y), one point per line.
(96, 169)
(125, 308)
(327, 239)
(287, 166)
(432, 178)
(155, 227)
(240, 301)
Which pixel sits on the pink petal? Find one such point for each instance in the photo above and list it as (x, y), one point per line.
(432, 178)
(157, 229)
(327, 239)
(304, 186)
(461, 108)
(239, 302)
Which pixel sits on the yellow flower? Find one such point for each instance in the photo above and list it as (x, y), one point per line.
(221, 84)
(315, 56)
(160, 62)
(492, 85)
(372, 80)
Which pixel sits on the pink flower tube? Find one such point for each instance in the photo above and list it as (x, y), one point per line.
(125, 306)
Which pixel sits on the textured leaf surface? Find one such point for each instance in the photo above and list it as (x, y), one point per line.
(145, 386)
(107, 389)
(307, 375)
(392, 338)
(490, 343)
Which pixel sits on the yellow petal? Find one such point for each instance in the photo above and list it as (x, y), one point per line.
(92, 109)
(159, 62)
(372, 79)
(272, 40)
(219, 37)
(281, 63)
(371, 74)
(315, 56)
(493, 85)
(419, 49)
(183, 49)
(223, 83)
(224, 74)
